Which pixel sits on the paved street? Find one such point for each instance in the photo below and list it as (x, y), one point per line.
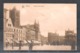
(44, 47)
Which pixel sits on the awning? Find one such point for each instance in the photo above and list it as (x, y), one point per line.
(16, 41)
(36, 42)
(24, 41)
(9, 41)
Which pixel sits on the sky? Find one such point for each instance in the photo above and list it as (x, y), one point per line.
(54, 17)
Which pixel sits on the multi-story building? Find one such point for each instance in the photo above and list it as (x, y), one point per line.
(17, 34)
(70, 37)
(44, 40)
(30, 32)
(19, 31)
(53, 38)
(24, 33)
(12, 29)
(8, 27)
(61, 40)
(33, 32)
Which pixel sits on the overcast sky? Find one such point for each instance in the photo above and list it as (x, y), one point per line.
(51, 17)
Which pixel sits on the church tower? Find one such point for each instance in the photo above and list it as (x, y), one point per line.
(15, 17)
(37, 30)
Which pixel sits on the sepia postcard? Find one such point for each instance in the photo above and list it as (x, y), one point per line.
(40, 26)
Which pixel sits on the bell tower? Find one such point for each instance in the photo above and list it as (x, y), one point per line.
(36, 27)
(15, 17)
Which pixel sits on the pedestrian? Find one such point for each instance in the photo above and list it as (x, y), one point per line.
(20, 44)
(12, 45)
(73, 45)
(7, 44)
(30, 44)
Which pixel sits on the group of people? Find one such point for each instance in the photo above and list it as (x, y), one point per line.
(30, 44)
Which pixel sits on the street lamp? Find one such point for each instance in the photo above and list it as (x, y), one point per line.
(13, 41)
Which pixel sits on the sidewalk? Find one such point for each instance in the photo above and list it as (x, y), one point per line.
(44, 47)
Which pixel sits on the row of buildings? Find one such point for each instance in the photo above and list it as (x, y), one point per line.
(14, 32)
(68, 39)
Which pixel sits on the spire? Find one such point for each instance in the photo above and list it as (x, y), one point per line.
(36, 25)
(36, 22)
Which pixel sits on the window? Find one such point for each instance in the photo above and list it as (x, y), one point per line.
(9, 25)
(14, 30)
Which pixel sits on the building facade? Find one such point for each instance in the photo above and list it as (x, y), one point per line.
(13, 32)
(53, 38)
(8, 28)
(70, 37)
(33, 32)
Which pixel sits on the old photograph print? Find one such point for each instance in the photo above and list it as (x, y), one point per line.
(40, 26)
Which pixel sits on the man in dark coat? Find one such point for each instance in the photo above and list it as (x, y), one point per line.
(30, 44)
(20, 44)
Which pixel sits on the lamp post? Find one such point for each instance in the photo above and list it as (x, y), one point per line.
(20, 42)
(13, 41)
